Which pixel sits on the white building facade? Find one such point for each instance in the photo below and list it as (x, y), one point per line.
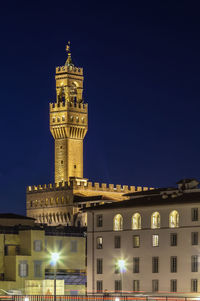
(150, 243)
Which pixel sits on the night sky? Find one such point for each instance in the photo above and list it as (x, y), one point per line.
(141, 63)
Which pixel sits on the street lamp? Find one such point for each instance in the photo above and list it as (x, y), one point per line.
(54, 260)
(122, 268)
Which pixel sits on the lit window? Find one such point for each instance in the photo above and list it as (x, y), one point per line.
(99, 243)
(155, 240)
(155, 220)
(174, 219)
(58, 119)
(136, 221)
(71, 118)
(54, 119)
(118, 222)
(63, 118)
(82, 120)
(77, 119)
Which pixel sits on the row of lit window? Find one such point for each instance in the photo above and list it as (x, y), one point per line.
(136, 220)
(173, 265)
(155, 285)
(155, 240)
(72, 118)
(48, 201)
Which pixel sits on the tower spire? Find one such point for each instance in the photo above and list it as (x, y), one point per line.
(69, 58)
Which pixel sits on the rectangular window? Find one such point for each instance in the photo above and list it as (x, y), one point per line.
(99, 266)
(99, 242)
(194, 214)
(194, 238)
(117, 242)
(136, 285)
(99, 286)
(45, 245)
(173, 264)
(155, 264)
(155, 240)
(58, 245)
(173, 239)
(117, 268)
(37, 245)
(118, 285)
(155, 285)
(23, 269)
(37, 268)
(136, 264)
(99, 219)
(136, 241)
(194, 263)
(194, 285)
(173, 285)
(73, 246)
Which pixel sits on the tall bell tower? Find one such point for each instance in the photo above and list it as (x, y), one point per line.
(68, 121)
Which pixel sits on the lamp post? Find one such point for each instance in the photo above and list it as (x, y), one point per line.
(54, 260)
(122, 269)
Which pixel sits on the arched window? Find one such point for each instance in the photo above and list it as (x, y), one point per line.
(174, 219)
(136, 221)
(118, 222)
(155, 220)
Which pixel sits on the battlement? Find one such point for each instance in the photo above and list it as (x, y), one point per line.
(78, 107)
(69, 69)
(85, 186)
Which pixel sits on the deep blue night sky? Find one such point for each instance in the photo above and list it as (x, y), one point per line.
(142, 83)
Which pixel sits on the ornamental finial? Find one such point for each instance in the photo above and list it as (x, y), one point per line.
(69, 59)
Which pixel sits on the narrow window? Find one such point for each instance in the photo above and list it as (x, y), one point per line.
(155, 264)
(194, 285)
(74, 166)
(174, 219)
(99, 286)
(37, 245)
(118, 285)
(155, 220)
(63, 118)
(136, 221)
(61, 161)
(194, 214)
(173, 264)
(194, 263)
(136, 241)
(173, 285)
(155, 285)
(117, 269)
(136, 285)
(155, 240)
(37, 268)
(99, 242)
(136, 264)
(23, 269)
(58, 245)
(118, 223)
(173, 239)
(194, 238)
(117, 242)
(99, 219)
(99, 266)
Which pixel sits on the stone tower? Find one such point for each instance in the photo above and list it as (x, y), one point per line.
(68, 121)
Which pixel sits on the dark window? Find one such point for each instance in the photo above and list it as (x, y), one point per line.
(155, 285)
(37, 245)
(195, 215)
(37, 268)
(99, 286)
(194, 263)
(117, 242)
(173, 264)
(194, 238)
(99, 266)
(194, 285)
(73, 246)
(173, 239)
(118, 285)
(173, 285)
(136, 264)
(136, 285)
(61, 161)
(74, 166)
(155, 264)
(99, 242)
(117, 268)
(136, 241)
(99, 220)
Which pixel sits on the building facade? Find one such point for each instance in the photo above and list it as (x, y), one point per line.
(25, 261)
(60, 202)
(149, 243)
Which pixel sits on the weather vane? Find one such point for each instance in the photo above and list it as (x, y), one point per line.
(68, 47)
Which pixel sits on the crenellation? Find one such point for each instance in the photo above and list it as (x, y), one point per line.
(96, 186)
(132, 189)
(104, 186)
(66, 105)
(118, 188)
(111, 187)
(125, 188)
(69, 69)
